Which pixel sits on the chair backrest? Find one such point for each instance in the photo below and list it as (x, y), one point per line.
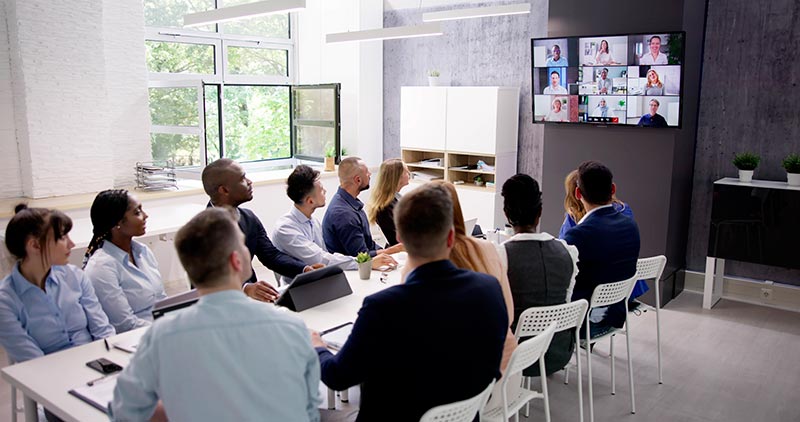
(462, 411)
(610, 293)
(650, 268)
(535, 320)
(529, 351)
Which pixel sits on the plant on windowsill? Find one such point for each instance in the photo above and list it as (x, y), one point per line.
(364, 262)
(433, 77)
(330, 158)
(792, 165)
(746, 162)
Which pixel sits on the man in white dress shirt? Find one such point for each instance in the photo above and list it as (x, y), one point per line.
(654, 56)
(299, 234)
(604, 84)
(555, 87)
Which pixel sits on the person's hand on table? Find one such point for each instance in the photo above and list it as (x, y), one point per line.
(262, 291)
(383, 260)
(393, 249)
(316, 339)
(313, 267)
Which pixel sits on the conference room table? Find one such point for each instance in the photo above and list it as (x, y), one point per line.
(47, 380)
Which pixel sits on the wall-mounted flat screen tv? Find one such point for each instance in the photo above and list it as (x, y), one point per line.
(631, 79)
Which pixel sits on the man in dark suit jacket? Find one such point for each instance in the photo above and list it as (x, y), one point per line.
(607, 241)
(436, 339)
(225, 182)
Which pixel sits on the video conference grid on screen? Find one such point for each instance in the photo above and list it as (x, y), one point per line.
(622, 79)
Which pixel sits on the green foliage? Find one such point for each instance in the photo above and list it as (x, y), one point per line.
(674, 49)
(363, 257)
(330, 151)
(173, 57)
(746, 161)
(792, 163)
(434, 73)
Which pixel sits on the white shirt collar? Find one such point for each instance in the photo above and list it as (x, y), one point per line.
(593, 210)
(542, 237)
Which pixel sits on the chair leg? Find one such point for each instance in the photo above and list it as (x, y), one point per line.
(613, 373)
(658, 329)
(566, 371)
(630, 359)
(544, 389)
(526, 383)
(13, 404)
(331, 399)
(589, 367)
(580, 380)
(344, 395)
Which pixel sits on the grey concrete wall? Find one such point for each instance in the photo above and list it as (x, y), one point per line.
(748, 103)
(475, 52)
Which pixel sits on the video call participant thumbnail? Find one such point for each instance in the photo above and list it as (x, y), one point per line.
(653, 119)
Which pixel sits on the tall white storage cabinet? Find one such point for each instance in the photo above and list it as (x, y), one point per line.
(445, 131)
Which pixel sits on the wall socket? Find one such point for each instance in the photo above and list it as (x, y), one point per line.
(766, 293)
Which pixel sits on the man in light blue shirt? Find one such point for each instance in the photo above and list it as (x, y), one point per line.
(556, 59)
(227, 357)
(299, 234)
(604, 85)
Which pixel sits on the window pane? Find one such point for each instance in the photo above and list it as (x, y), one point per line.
(314, 104)
(270, 26)
(174, 106)
(169, 13)
(173, 57)
(212, 122)
(183, 150)
(314, 141)
(256, 120)
(257, 61)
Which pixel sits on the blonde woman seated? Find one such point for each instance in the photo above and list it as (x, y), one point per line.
(480, 256)
(392, 176)
(557, 113)
(654, 85)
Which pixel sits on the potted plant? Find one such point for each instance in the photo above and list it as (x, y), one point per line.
(330, 158)
(433, 78)
(792, 165)
(364, 262)
(478, 180)
(746, 162)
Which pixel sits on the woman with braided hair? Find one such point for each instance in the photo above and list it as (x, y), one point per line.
(124, 272)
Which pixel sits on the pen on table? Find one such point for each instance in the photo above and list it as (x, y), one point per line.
(108, 349)
(333, 329)
(96, 380)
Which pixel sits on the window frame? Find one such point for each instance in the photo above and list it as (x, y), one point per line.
(336, 124)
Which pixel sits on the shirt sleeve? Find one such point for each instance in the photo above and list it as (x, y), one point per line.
(385, 221)
(353, 239)
(573, 253)
(13, 337)
(105, 279)
(312, 376)
(271, 256)
(295, 243)
(97, 320)
(135, 395)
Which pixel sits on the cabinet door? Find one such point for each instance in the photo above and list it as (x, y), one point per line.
(422, 117)
(472, 119)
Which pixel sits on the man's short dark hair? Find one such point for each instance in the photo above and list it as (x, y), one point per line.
(605, 69)
(522, 200)
(595, 180)
(654, 37)
(205, 243)
(214, 174)
(423, 218)
(300, 183)
(555, 72)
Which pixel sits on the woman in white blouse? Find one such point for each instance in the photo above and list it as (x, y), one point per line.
(603, 56)
(124, 272)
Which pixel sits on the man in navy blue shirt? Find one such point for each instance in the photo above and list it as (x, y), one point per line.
(653, 119)
(435, 339)
(226, 183)
(345, 226)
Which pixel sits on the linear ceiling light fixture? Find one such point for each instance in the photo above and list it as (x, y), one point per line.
(478, 12)
(242, 11)
(424, 30)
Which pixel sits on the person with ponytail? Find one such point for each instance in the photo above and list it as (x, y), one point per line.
(392, 176)
(124, 272)
(46, 305)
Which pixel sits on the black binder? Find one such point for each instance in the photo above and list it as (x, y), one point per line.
(315, 288)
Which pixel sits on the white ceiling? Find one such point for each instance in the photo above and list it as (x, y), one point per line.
(414, 4)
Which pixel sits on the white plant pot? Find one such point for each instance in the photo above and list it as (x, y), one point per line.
(746, 176)
(433, 81)
(793, 179)
(365, 270)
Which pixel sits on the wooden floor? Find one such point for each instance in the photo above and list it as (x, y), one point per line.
(737, 362)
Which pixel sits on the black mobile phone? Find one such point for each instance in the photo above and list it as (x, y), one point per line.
(104, 366)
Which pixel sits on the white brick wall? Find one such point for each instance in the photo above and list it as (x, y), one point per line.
(10, 177)
(80, 93)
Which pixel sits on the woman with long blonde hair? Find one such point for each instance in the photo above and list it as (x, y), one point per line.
(392, 176)
(654, 85)
(480, 256)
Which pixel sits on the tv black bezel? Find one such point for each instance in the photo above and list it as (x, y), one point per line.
(595, 124)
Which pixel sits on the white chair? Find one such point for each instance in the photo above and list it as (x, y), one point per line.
(605, 295)
(647, 268)
(515, 398)
(15, 408)
(462, 411)
(534, 321)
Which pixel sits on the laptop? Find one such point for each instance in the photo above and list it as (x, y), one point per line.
(314, 287)
(174, 303)
(469, 226)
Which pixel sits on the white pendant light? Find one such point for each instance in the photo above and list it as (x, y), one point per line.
(242, 11)
(478, 12)
(424, 30)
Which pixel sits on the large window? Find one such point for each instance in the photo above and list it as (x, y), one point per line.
(226, 90)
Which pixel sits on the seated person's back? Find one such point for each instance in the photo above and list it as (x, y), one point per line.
(436, 339)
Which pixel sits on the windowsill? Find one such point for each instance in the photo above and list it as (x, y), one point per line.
(186, 187)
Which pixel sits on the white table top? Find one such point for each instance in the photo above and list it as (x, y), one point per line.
(48, 379)
(769, 184)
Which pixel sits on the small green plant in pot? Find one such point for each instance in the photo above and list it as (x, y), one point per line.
(746, 162)
(330, 158)
(792, 165)
(364, 262)
(433, 77)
